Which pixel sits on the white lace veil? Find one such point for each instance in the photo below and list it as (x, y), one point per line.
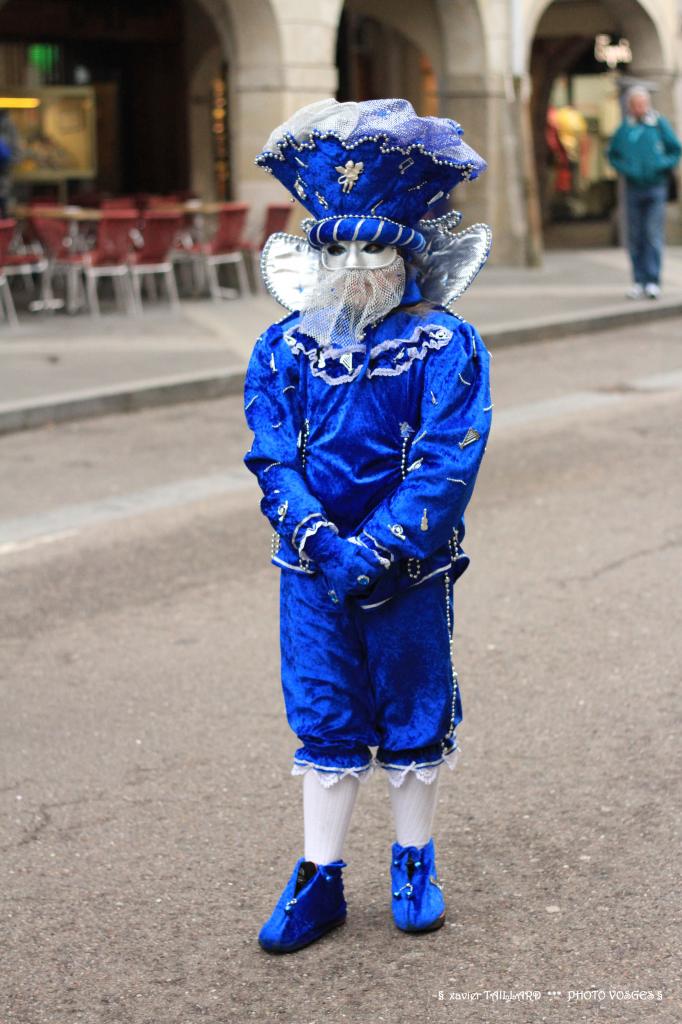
(340, 304)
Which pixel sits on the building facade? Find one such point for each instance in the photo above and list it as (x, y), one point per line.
(535, 84)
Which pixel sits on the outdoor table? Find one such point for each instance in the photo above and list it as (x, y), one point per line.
(79, 218)
(75, 217)
(73, 214)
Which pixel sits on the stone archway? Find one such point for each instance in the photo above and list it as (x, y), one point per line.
(249, 45)
(640, 20)
(418, 28)
(252, 40)
(569, 200)
(209, 61)
(130, 56)
(388, 50)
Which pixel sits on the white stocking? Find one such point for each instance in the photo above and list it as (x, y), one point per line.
(326, 816)
(414, 808)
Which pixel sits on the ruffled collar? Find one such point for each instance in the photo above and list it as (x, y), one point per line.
(388, 357)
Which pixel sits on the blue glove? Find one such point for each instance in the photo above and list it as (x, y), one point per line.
(350, 569)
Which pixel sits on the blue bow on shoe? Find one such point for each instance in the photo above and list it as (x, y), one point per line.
(418, 904)
(311, 904)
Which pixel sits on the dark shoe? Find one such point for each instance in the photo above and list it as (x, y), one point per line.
(418, 904)
(311, 904)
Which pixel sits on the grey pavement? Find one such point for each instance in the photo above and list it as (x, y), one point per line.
(149, 818)
(59, 367)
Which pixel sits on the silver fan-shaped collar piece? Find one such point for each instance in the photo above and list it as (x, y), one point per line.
(450, 262)
(447, 266)
(289, 266)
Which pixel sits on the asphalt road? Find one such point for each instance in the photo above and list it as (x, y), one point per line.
(149, 818)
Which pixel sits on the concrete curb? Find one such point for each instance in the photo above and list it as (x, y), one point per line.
(562, 326)
(146, 394)
(126, 397)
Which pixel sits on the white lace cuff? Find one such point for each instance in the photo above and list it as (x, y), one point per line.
(310, 532)
(426, 773)
(328, 776)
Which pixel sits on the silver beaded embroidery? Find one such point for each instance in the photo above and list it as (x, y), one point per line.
(403, 457)
(310, 143)
(455, 680)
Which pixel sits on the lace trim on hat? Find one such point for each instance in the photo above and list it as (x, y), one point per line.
(467, 167)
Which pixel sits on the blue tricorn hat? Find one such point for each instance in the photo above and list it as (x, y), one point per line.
(370, 170)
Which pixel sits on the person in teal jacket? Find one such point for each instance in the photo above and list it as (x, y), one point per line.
(645, 150)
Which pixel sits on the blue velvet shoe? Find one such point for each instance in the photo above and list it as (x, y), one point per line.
(418, 904)
(311, 904)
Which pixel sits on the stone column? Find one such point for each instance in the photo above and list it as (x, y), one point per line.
(266, 93)
(487, 114)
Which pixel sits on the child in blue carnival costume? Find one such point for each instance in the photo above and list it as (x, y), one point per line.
(370, 407)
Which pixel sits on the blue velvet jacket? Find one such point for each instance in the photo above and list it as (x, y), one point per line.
(384, 439)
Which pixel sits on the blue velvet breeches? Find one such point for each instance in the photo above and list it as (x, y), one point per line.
(356, 679)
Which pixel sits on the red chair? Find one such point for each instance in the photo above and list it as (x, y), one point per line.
(24, 263)
(160, 229)
(118, 203)
(7, 229)
(225, 247)
(55, 236)
(26, 260)
(161, 202)
(52, 232)
(276, 219)
(109, 257)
